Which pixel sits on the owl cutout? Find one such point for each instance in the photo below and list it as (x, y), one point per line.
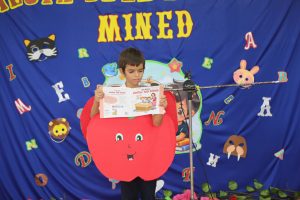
(244, 77)
(235, 145)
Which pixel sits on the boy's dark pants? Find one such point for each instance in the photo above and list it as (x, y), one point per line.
(131, 190)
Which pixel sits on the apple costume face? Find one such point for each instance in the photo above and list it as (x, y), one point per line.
(126, 148)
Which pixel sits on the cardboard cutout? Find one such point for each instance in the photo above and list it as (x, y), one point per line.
(125, 148)
(41, 49)
(235, 145)
(85, 116)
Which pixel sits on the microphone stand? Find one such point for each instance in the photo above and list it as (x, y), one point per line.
(190, 88)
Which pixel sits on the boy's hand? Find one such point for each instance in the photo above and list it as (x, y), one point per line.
(163, 101)
(99, 94)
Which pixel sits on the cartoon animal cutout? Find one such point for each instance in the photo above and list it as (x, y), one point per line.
(182, 135)
(243, 76)
(41, 49)
(59, 129)
(110, 69)
(235, 145)
(41, 179)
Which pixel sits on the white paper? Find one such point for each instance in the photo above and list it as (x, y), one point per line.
(130, 102)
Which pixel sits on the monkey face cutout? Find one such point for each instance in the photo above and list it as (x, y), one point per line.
(235, 145)
(59, 129)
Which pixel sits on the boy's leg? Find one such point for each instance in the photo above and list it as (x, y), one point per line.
(130, 190)
(148, 189)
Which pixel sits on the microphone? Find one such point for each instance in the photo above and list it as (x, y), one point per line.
(188, 85)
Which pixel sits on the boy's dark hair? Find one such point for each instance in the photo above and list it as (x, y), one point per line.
(131, 56)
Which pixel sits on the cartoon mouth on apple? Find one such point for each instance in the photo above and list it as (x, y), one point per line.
(130, 156)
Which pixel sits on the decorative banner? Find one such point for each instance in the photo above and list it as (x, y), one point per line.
(53, 54)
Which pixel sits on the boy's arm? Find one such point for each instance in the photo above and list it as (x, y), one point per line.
(99, 94)
(95, 109)
(158, 118)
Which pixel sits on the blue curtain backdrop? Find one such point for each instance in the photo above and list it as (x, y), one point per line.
(208, 38)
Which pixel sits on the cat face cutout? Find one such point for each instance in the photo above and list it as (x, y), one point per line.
(235, 145)
(41, 49)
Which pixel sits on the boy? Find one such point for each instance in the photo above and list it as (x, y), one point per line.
(132, 65)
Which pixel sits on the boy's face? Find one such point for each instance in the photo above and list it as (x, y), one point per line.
(133, 75)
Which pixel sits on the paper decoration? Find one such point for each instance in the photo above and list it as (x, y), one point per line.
(41, 49)
(279, 154)
(235, 145)
(59, 129)
(124, 148)
(41, 179)
(243, 76)
(207, 63)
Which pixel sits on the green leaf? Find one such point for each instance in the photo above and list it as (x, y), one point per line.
(265, 193)
(282, 194)
(274, 190)
(297, 194)
(241, 197)
(205, 187)
(232, 185)
(257, 184)
(265, 198)
(250, 189)
(167, 193)
(212, 195)
(223, 194)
